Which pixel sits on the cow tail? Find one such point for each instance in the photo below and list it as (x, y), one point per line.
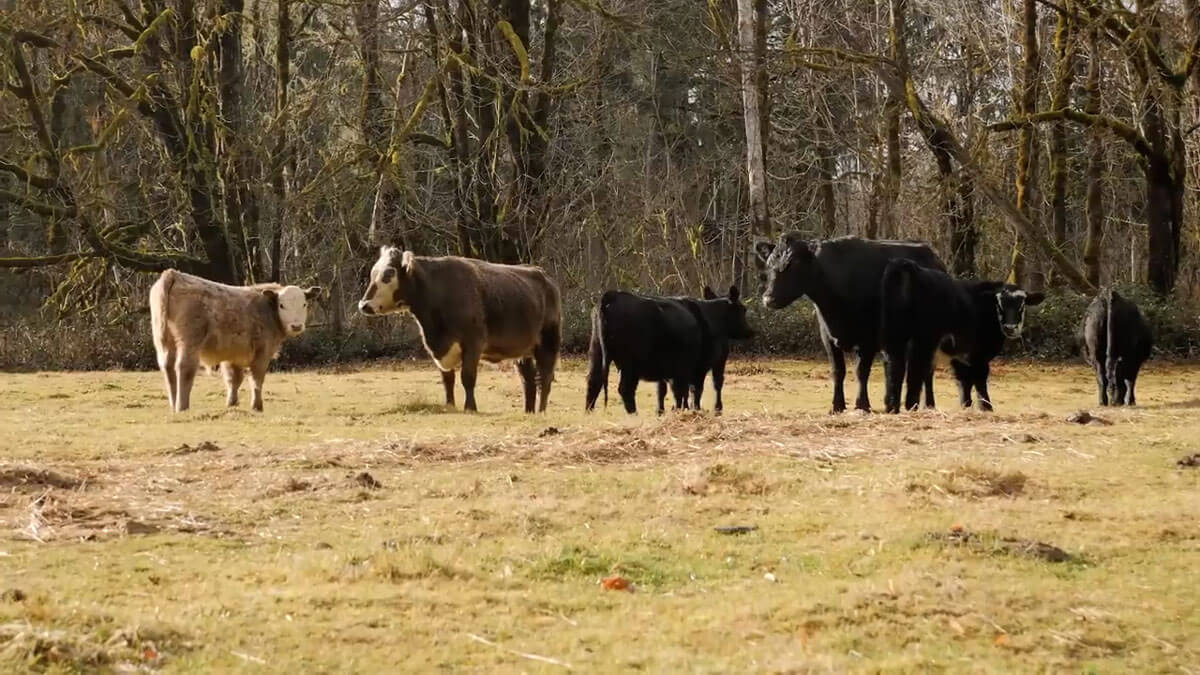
(158, 308)
(1111, 351)
(598, 363)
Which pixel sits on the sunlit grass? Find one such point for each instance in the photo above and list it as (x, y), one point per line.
(218, 540)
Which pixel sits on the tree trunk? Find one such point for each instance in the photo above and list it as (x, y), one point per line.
(752, 99)
(1023, 271)
(894, 175)
(1064, 72)
(238, 166)
(279, 178)
(1094, 201)
(825, 169)
(380, 214)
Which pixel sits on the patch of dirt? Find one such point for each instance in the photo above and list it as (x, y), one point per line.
(1085, 417)
(1190, 461)
(13, 595)
(1027, 548)
(203, 446)
(971, 481)
(132, 649)
(368, 481)
(28, 478)
(721, 476)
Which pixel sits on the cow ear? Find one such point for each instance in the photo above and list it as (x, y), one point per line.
(708, 293)
(271, 295)
(734, 294)
(763, 250)
(1034, 299)
(312, 293)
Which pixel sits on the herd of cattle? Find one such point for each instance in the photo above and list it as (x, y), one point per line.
(893, 297)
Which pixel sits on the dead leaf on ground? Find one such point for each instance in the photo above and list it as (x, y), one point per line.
(1085, 417)
(615, 583)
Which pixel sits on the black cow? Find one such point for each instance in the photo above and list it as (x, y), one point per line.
(841, 277)
(675, 340)
(1117, 342)
(926, 310)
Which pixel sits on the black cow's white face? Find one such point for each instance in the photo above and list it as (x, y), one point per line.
(1010, 309)
(784, 267)
(387, 283)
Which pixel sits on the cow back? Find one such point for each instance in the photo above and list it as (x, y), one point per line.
(849, 277)
(221, 322)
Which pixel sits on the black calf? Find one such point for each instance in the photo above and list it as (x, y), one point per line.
(663, 340)
(926, 310)
(1117, 341)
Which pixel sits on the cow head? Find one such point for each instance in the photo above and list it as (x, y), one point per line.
(785, 268)
(1010, 309)
(291, 304)
(733, 314)
(388, 284)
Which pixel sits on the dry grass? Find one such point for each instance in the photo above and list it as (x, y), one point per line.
(358, 520)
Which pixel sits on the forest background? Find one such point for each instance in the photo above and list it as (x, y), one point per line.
(638, 144)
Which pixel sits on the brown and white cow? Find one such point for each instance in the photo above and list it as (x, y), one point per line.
(196, 321)
(469, 310)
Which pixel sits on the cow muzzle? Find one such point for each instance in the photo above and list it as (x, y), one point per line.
(1011, 331)
(769, 301)
(365, 307)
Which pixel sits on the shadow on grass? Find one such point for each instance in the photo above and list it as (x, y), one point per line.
(420, 408)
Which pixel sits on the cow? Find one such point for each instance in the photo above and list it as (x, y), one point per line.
(195, 321)
(924, 311)
(676, 340)
(841, 277)
(1117, 341)
(467, 310)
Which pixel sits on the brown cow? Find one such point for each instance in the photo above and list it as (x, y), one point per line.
(469, 309)
(196, 321)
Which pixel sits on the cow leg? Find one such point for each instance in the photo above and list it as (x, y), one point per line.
(1130, 380)
(1122, 390)
(1102, 383)
(679, 391)
(448, 385)
(919, 363)
(894, 363)
(862, 370)
(929, 386)
(258, 374)
(545, 357)
(962, 375)
(185, 375)
(166, 363)
(662, 396)
(529, 380)
(627, 388)
(981, 373)
(233, 381)
(837, 374)
(718, 377)
(1116, 393)
(697, 391)
(470, 367)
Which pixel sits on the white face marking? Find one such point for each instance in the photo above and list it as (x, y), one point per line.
(293, 310)
(450, 360)
(384, 299)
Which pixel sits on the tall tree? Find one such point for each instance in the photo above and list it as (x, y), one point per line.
(1025, 98)
(750, 26)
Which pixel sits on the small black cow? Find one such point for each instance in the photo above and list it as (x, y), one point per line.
(1117, 342)
(841, 277)
(675, 340)
(926, 310)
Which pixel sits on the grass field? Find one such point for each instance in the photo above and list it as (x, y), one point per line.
(220, 540)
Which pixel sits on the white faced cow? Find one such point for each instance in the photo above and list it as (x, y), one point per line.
(196, 321)
(469, 310)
